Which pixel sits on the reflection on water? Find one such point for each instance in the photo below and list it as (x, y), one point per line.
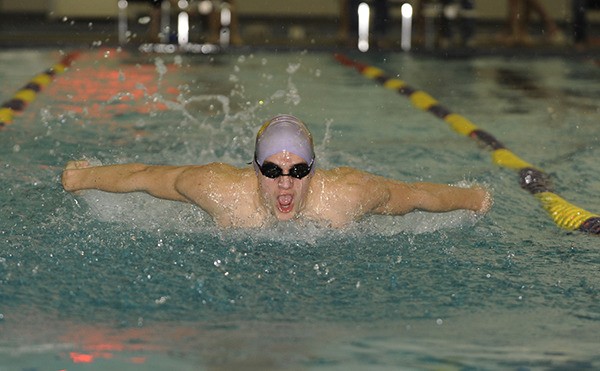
(479, 340)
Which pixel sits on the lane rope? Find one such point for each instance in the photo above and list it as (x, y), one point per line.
(28, 93)
(531, 178)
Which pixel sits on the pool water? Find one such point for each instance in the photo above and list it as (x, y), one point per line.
(105, 281)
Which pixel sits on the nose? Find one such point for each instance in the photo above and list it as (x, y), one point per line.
(285, 182)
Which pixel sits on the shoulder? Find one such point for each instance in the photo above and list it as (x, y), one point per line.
(344, 194)
(369, 189)
(216, 187)
(353, 184)
(349, 177)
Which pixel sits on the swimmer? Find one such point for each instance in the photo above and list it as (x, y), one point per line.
(282, 184)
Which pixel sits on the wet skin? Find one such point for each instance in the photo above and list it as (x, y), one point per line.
(284, 196)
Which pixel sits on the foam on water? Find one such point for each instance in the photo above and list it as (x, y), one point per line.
(139, 210)
(147, 213)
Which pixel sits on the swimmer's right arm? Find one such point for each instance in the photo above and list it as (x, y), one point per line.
(157, 180)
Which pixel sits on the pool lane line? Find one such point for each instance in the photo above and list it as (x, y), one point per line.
(28, 93)
(531, 178)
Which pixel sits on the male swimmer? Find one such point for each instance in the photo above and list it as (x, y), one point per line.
(283, 184)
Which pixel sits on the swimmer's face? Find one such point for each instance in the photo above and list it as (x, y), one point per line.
(284, 196)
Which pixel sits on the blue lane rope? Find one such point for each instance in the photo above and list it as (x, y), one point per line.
(532, 178)
(28, 93)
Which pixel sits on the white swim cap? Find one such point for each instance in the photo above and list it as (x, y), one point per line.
(284, 133)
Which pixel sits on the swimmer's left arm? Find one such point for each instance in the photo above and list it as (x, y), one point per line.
(401, 198)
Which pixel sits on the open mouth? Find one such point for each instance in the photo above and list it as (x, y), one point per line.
(285, 203)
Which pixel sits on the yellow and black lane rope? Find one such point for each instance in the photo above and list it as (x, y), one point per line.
(532, 178)
(28, 93)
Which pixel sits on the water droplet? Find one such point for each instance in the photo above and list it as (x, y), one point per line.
(161, 300)
(178, 61)
(292, 68)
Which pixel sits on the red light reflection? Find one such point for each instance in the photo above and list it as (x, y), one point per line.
(102, 88)
(102, 343)
(81, 358)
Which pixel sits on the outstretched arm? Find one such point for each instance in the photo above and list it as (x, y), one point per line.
(359, 193)
(401, 198)
(159, 181)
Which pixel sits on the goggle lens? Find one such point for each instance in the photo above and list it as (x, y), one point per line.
(272, 171)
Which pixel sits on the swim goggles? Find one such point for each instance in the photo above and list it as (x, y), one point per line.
(272, 171)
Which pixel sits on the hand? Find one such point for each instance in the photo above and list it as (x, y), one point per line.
(79, 164)
(486, 202)
(70, 176)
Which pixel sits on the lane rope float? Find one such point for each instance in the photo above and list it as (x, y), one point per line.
(28, 93)
(531, 178)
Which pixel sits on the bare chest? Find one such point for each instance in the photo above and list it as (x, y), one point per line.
(335, 209)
